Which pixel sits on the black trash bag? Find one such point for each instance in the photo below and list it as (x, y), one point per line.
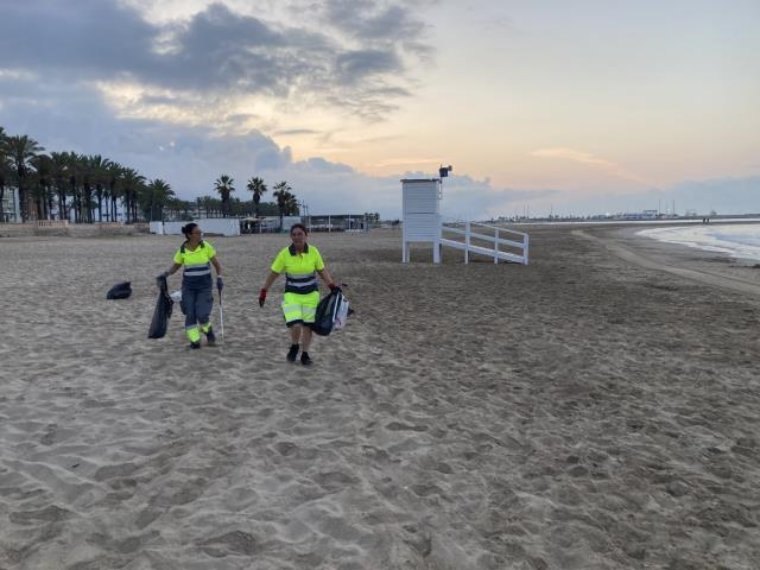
(120, 291)
(163, 311)
(328, 310)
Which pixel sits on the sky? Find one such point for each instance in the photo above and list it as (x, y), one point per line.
(541, 107)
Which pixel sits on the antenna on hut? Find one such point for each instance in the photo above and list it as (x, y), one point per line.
(443, 171)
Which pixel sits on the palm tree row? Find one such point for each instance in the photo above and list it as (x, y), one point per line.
(89, 188)
(76, 187)
(287, 203)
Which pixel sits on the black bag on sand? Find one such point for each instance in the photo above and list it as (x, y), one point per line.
(163, 311)
(330, 309)
(120, 291)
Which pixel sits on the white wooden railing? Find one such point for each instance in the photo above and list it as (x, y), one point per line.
(52, 223)
(494, 237)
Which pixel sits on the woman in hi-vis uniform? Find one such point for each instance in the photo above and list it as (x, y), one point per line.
(301, 262)
(197, 256)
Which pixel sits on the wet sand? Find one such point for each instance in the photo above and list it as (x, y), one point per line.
(587, 411)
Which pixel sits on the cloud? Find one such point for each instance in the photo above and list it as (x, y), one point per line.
(289, 132)
(217, 50)
(365, 18)
(191, 158)
(188, 98)
(74, 39)
(573, 155)
(407, 161)
(608, 166)
(722, 195)
(358, 65)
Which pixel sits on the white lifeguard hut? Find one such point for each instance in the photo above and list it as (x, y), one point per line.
(422, 214)
(423, 223)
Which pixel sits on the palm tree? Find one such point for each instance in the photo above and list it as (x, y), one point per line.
(43, 182)
(22, 149)
(154, 199)
(209, 204)
(224, 187)
(114, 173)
(74, 169)
(132, 186)
(98, 169)
(283, 195)
(5, 170)
(87, 176)
(291, 206)
(60, 162)
(257, 186)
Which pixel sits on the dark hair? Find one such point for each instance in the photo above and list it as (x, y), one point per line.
(296, 226)
(188, 228)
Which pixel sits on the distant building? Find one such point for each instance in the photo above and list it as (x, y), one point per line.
(338, 223)
(643, 215)
(11, 208)
(268, 224)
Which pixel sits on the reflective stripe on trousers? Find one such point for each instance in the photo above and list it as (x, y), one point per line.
(297, 307)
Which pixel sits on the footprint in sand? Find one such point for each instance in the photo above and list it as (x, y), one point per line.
(235, 542)
(48, 514)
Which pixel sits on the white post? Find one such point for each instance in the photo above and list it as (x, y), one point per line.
(496, 246)
(525, 249)
(437, 240)
(467, 242)
(329, 226)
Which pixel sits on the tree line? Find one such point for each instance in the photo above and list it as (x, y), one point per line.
(88, 188)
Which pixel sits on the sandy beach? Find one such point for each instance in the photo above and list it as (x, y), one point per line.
(597, 409)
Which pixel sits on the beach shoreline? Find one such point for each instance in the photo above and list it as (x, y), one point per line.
(586, 411)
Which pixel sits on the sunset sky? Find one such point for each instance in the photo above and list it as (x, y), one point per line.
(547, 106)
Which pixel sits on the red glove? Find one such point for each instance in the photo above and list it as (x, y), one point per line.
(332, 286)
(262, 297)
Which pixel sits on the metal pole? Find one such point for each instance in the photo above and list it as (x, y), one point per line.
(221, 316)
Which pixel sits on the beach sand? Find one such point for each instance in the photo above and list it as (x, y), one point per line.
(588, 411)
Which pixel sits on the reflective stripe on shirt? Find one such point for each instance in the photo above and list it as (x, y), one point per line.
(301, 283)
(197, 270)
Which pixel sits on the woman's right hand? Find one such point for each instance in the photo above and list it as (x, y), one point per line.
(262, 297)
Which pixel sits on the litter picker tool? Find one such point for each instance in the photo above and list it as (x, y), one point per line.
(221, 315)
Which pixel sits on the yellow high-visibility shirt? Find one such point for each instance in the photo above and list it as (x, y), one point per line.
(196, 263)
(299, 268)
(298, 263)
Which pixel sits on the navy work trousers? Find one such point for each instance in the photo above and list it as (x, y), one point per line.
(197, 304)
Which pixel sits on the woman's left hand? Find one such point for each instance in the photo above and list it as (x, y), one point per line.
(219, 283)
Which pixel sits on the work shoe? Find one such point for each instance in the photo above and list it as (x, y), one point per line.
(211, 337)
(195, 345)
(305, 359)
(292, 353)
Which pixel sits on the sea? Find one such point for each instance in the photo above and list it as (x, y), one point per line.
(739, 240)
